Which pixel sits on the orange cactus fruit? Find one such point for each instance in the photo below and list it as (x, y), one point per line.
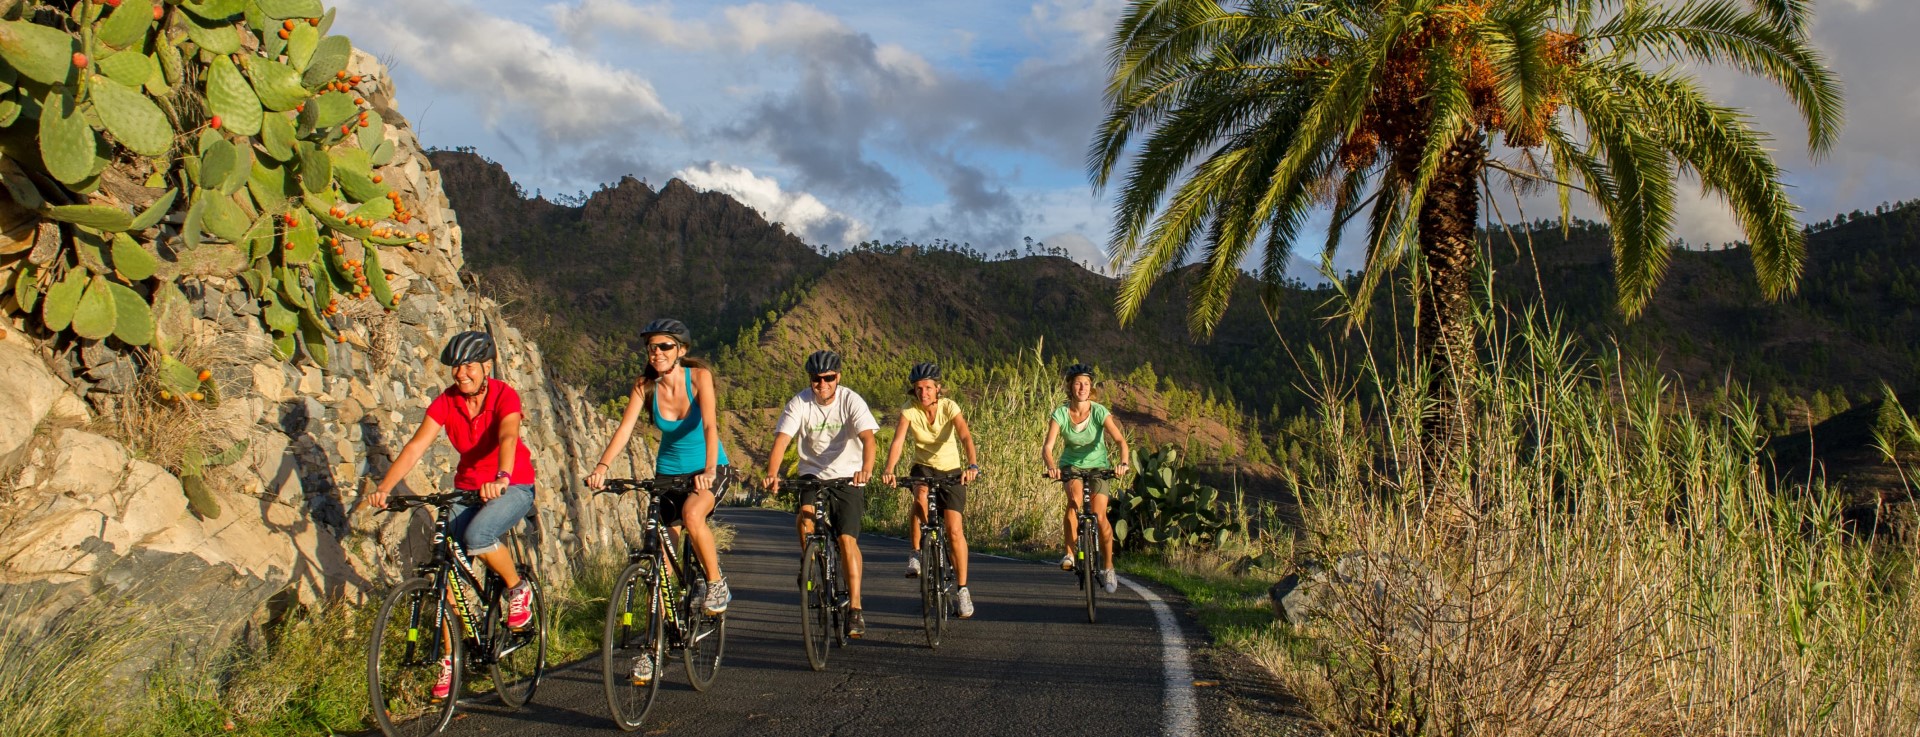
(79, 59)
(196, 396)
(205, 374)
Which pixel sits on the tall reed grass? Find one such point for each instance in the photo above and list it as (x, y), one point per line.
(1606, 557)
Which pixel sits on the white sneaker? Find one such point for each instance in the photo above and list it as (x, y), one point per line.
(1066, 562)
(1107, 582)
(642, 670)
(966, 603)
(913, 565)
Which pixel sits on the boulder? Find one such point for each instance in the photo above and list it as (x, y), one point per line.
(1410, 604)
(28, 391)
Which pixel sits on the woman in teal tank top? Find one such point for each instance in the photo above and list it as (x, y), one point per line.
(681, 387)
(1083, 428)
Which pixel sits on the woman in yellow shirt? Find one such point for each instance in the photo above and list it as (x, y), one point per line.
(939, 432)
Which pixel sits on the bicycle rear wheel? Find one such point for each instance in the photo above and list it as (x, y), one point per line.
(520, 658)
(933, 596)
(706, 641)
(815, 608)
(1090, 565)
(635, 630)
(403, 661)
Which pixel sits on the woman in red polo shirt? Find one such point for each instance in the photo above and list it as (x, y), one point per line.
(482, 419)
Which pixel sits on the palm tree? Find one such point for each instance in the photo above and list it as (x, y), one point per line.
(1239, 121)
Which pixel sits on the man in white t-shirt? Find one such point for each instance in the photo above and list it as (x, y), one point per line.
(835, 430)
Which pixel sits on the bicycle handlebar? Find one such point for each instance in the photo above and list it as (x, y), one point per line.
(1069, 473)
(403, 502)
(908, 482)
(653, 486)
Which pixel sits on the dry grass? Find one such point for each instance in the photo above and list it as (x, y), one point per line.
(163, 428)
(1622, 568)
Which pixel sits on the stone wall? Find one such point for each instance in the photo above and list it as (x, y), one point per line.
(84, 516)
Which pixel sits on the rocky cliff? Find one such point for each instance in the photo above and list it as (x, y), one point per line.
(90, 511)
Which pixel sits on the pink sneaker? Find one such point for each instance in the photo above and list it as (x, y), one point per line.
(445, 685)
(520, 605)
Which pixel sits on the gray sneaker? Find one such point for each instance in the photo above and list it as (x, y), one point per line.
(1107, 582)
(718, 597)
(966, 603)
(642, 670)
(913, 565)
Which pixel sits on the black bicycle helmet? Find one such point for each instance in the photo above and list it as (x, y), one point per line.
(472, 346)
(669, 327)
(822, 362)
(923, 370)
(1078, 369)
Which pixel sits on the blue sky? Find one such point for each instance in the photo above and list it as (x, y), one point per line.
(959, 120)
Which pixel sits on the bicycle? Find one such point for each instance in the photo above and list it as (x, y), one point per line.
(825, 609)
(1087, 552)
(403, 662)
(649, 611)
(939, 582)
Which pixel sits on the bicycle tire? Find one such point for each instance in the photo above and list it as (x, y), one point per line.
(403, 661)
(1090, 553)
(933, 597)
(520, 657)
(634, 628)
(815, 607)
(706, 643)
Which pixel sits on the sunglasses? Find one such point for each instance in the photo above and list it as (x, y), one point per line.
(825, 379)
(662, 347)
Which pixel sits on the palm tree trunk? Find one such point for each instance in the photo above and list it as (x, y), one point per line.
(1445, 336)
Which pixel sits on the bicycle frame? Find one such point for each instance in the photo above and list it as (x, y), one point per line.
(825, 533)
(453, 577)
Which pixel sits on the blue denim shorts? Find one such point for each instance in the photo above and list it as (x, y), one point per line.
(480, 528)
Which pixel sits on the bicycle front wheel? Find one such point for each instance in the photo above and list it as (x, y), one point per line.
(635, 639)
(815, 612)
(933, 596)
(706, 641)
(403, 661)
(520, 657)
(1089, 565)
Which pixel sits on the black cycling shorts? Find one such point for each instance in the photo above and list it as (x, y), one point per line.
(847, 503)
(671, 502)
(952, 496)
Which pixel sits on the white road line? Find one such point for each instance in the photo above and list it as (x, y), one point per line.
(1181, 715)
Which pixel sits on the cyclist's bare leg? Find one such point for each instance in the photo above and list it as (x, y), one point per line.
(500, 559)
(957, 542)
(694, 515)
(850, 562)
(1072, 525)
(919, 515)
(804, 523)
(1106, 531)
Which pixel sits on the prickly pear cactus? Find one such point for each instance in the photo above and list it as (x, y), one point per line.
(139, 134)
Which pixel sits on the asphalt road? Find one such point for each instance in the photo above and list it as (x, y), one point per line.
(1027, 663)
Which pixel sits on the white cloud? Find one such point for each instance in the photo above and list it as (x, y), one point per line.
(1087, 22)
(509, 71)
(741, 28)
(802, 213)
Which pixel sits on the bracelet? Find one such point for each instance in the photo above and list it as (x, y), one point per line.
(973, 466)
(597, 466)
(502, 475)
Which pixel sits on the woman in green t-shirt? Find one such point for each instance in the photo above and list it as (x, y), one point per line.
(1083, 428)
